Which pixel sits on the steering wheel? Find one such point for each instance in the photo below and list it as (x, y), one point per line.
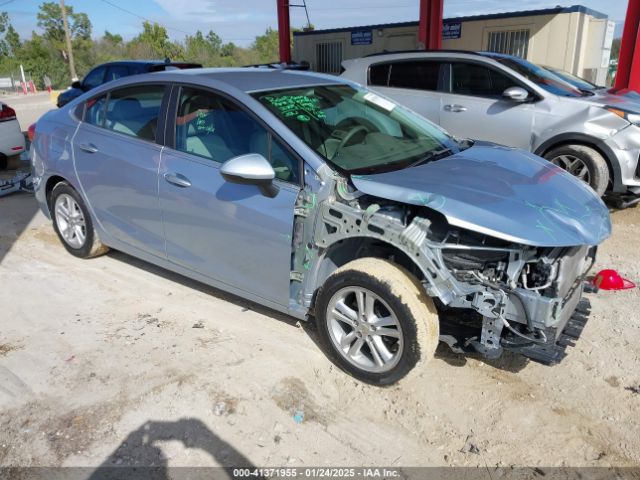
(350, 134)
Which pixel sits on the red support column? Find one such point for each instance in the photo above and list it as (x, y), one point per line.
(430, 26)
(628, 75)
(423, 26)
(284, 31)
(435, 25)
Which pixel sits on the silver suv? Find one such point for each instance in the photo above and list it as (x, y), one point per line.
(510, 101)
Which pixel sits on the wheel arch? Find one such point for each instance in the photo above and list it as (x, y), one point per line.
(597, 144)
(342, 252)
(52, 181)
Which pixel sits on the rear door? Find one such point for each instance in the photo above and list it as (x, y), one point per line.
(413, 83)
(117, 159)
(228, 232)
(473, 106)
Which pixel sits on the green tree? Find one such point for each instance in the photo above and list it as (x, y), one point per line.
(13, 41)
(154, 42)
(266, 46)
(615, 48)
(50, 20)
(114, 39)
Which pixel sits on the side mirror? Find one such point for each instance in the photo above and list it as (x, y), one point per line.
(516, 94)
(77, 85)
(250, 169)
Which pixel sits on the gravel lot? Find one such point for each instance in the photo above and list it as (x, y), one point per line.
(113, 361)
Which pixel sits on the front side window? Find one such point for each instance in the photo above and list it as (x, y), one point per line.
(379, 74)
(212, 127)
(356, 130)
(478, 80)
(94, 78)
(420, 75)
(134, 111)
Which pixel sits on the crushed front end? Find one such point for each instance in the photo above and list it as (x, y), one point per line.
(493, 293)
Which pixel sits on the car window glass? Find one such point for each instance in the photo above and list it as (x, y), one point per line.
(420, 75)
(478, 80)
(379, 74)
(215, 128)
(94, 113)
(117, 71)
(355, 129)
(500, 82)
(94, 78)
(134, 110)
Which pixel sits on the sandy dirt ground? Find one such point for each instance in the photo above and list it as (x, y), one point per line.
(113, 361)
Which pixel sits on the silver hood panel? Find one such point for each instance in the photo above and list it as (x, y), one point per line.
(501, 192)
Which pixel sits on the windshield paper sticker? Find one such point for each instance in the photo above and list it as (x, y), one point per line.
(303, 108)
(379, 101)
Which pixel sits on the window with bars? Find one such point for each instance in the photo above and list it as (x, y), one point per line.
(329, 57)
(514, 42)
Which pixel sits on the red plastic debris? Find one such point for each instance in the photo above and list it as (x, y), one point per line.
(611, 280)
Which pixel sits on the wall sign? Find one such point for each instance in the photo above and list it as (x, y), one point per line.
(451, 31)
(361, 37)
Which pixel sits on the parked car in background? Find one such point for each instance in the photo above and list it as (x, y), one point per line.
(114, 70)
(313, 196)
(510, 101)
(11, 138)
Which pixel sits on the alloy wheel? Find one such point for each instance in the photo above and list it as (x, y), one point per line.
(364, 329)
(574, 166)
(70, 221)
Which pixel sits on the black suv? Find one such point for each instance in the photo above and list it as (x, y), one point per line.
(113, 70)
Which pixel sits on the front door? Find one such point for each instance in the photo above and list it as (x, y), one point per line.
(116, 158)
(476, 109)
(413, 83)
(228, 232)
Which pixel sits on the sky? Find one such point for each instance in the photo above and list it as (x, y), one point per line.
(239, 21)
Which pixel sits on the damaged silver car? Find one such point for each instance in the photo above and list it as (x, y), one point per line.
(318, 198)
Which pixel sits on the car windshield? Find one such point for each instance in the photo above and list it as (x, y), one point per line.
(574, 80)
(356, 130)
(551, 82)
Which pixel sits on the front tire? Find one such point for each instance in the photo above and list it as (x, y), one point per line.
(375, 320)
(73, 224)
(584, 163)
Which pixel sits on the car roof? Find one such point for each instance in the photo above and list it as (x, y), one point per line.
(255, 79)
(144, 62)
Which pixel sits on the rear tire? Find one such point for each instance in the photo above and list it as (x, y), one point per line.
(585, 163)
(73, 224)
(375, 321)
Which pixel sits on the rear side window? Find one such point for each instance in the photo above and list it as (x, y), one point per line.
(94, 78)
(479, 81)
(420, 75)
(134, 111)
(94, 113)
(379, 74)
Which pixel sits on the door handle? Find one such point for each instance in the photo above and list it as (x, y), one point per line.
(177, 179)
(455, 108)
(88, 147)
